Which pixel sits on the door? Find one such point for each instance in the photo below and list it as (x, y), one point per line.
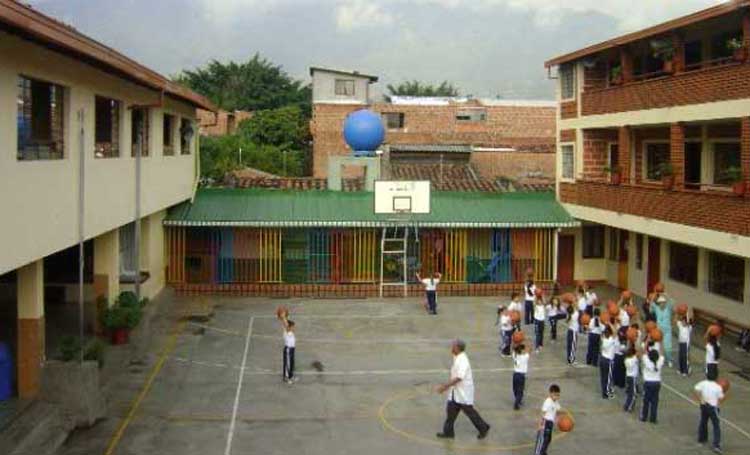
(693, 165)
(565, 259)
(622, 265)
(654, 263)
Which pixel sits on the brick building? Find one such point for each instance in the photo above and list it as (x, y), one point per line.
(653, 156)
(220, 123)
(491, 138)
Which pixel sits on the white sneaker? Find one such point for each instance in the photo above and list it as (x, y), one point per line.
(670, 364)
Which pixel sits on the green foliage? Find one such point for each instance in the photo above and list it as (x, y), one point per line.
(70, 349)
(125, 314)
(416, 88)
(734, 44)
(251, 86)
(285, 127)
(733, 174)
(95, 350)
(666, 169)
(220, 155)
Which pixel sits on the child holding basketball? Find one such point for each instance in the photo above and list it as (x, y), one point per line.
(684, 329)
(529, 296)
(430, 288)
(506, 330)
(653, 364)
(555, 312)
(516, 305)
(540, 316)
(713, 353)
(550, 409)
(607, 363)
(595, 329)
(290, 343)
(520, 369)
(631, 378)
(572, 340)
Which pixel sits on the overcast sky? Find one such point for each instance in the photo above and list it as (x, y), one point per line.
(485, 47)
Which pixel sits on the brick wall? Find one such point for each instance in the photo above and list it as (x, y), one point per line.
(220, 123)
(745, 151)
(702, 86)
(596, 152)
(521, 127)
(568, 109)
(567, 135)
(515, 165)
(719, 211)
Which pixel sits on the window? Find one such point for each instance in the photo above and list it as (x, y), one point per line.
(186, 135)
(168, 133)
(639, 251)
(726, 155)
(107, 113)
(683, 263)
(40, 120)
(394, 120)
(719, 48)
(657, 154)
(613, 244)
(693, 54)
(344, 87)
(726, 276)
(593, 242)
(139, 129)
(567, 82)
(471, 115)
(693, 152)
(614, 155)
(568, 161)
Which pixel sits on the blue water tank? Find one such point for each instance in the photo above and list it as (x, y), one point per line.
(6, 373)
(364, 132)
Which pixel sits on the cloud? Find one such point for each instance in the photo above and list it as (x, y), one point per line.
(356, 14)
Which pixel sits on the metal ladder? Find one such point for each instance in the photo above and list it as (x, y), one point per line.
(393, 242)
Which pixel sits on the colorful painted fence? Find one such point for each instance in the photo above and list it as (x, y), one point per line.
(350, 256)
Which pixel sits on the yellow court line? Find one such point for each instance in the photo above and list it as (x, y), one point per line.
(168, 348)
(416, 438)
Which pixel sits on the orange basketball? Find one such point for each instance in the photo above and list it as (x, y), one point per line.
(515, 316)
(613, 309)
(565, 423)
(585, 319)
(681, 309)
(659, 288)
(518, 337)
(632, 334)
(714, 330)
(568, 297)
(605, 317)
(538, 292)
(626, 295)
(650, 325)
(656, 334)
(282, 312)
(631, 310)
(724, 383)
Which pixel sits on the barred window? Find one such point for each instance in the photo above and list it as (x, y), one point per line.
(40, 119)
(344, 87)
(593, 242)
(187, 131)
(726, 276)
(568, 161)
(683, 263)
(639, 251)
(567, 82)
(168, 133)
(394, 120)
(139, 127)
(657, 155)
(726, 156)
(107, 113)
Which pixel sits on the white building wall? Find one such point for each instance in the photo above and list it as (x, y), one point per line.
(324, 84)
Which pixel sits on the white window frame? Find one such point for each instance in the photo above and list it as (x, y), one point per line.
(345, 81)
(563, 178)
(710, 169)
(574, 72)
(644, 156)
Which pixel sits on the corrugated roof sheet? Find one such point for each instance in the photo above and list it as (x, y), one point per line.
(258, 207)
(436, 148)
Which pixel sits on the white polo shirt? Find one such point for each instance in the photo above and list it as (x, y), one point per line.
(549, 409)
(515, 306)
(582, 304)
(624, 318)
(463, 392)
(710, 354)
(651, 372)
(683, 332)
(529, 292)
(710, 392)
(590, 298)
(540, 312)
(594, 329)
(521, 362)
(573, 323)
(430, 284)
(506, 325)
(631, 366)
(290, 340)
(609, 346)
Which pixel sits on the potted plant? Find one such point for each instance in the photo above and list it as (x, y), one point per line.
(733, 174)
(615, 75)
(666, 172)
(738, 48)
(615, 174)
(120, 320)
(664, 50)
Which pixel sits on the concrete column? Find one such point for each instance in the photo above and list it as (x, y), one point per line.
(626, 63)
(30, 328)
(107, 266)
(746, 28)
(678, 44)
(745, 150)
(624, 146)
(677, 153)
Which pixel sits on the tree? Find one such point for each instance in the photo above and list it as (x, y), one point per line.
(254, 85)
(416, 88)
(221, 155)
(285, 127)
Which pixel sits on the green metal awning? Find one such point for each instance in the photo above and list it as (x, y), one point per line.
(277, 208)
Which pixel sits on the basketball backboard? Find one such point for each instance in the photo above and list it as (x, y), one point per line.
(393, 196)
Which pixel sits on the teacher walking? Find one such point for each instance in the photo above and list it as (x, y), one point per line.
(460, 390)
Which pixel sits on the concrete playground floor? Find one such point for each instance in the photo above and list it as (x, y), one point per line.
(215, 387)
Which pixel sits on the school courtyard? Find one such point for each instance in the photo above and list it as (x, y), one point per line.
(213, 385)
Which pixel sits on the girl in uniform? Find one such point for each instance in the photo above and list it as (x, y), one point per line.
(595, 333)
(582, 305)
(653, 363)
(572, 340)
(520, 369)
(506, 330)
(516, 305)
(607, 362)
(554, 314)
(290, 343)
(591, 299)
(618, 374)
(684, 329)
(430, 288)
(713, 354)
(540, 315)
(529, 290)
(631, 378)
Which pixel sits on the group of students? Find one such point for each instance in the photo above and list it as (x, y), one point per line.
(627, 357)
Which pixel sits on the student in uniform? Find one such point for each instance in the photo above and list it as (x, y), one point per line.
(624, 319)
(540, 315)
(631, 378)
(555, 312)
(529, 296)
(591, 299)
(572, 339)
(595, 329)
(684, 329)
(713, 354)
(710, 395)
(618, 372)
(290, 342)
(547, 422)
(506, 330)
(516, 305)
(607, 362)
(653, 363)
(430, 288)
(582, 306)
(520, 369)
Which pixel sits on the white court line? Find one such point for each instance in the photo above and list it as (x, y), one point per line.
(727, 421)
(230, 434)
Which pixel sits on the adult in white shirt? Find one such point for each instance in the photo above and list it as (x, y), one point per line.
(710, 394)
(460, 390)
(653, 364)
(430, 288)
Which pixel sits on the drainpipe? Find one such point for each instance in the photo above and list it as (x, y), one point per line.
(81, 220)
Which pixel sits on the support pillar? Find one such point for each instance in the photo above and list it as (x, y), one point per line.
(626, 63)
(745, 151)
(678, 44)
(107, 266)
(30, 328)
(625, 149)
(677, 153)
